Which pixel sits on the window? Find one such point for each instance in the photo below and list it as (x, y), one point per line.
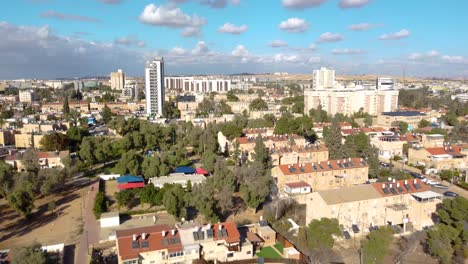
(248, 252)
(230, 255)
(130, 262)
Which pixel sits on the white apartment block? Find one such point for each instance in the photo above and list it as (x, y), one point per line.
(117, 80)
(27, 96)
(336, 98)
(197, 85)
(154, 82)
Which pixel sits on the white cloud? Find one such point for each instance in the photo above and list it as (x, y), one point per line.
(294, 25)
(453, 59)
(240, 51)
(62, 16)
(129, 41)
(421, 56)
(235, 2)
(330, 37)
(300, 4)
(173, 17)
(111, 2)
(232, 29)
(200, 48)
(178, 51)
(314, 59)
(353, 3)
(278, 43)
(347, 51)
(312, 46)
(360, 27)
(215, 3)
(396, 35)
(285, 58)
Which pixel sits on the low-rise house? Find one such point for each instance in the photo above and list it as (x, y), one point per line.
(153, 244)
(247, 144)
(7, 137)
(323, 175)
(392, 119)
(264, 132)
(178, 178)
(440, 158)
(46, 159)
(432, 140)
(407, 205)
(389, 146)
(216, 242)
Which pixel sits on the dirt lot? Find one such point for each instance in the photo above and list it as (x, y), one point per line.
(62, 226)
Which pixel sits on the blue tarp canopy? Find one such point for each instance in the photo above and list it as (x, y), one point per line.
(129, 178)
(185, 170)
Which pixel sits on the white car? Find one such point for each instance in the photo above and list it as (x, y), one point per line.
(432, 182)
(424, 179)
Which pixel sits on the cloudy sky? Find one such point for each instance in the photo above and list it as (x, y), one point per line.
(73, 38)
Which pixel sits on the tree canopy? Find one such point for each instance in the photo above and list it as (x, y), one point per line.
(258, 104)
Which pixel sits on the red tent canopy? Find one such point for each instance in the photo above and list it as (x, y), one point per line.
(131, 185)
(201, 171)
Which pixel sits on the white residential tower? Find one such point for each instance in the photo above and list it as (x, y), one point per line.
(154, 82)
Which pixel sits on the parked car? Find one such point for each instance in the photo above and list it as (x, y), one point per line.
(450, 194)
(440, 186)
(424, 179)
(432, 182)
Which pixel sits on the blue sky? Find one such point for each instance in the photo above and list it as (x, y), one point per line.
(67, 38)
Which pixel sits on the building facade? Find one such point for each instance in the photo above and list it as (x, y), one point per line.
(154, 83)
(197, 85)
(27, 96)
(117, 80)
(406, 204)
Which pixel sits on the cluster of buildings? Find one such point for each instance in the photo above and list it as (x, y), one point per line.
(334, 97)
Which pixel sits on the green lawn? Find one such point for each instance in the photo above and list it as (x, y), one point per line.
(279, 247)
(268, 252)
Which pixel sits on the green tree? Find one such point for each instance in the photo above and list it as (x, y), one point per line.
(129, 164)
(150, 167)
(261, 155)
(21, 201)
(54, 142)
(150, 195)
(375, 247)
(31, 254)
(258, 104)
(66, 107)
(332, 136)
(298, 107)
(100, 205)
(403, 126)
(319, 234)
(174, 201)
(124, 197)
(106, 114)
(270, 120)
(6, 178)
(440, 242)
(170, 110)
(30, 160)
(368, 121)
(231, 97)
(87, 151)
(423, 123)
(201, 198)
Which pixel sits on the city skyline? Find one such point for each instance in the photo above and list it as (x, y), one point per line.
(53, 39)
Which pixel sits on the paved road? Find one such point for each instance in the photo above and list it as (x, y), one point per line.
(91, 227)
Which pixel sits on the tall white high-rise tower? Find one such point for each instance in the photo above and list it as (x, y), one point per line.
(154, 82)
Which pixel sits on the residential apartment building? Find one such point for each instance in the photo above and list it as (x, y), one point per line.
(197, 85)
(47, 159)
(439, 158)
(7, 137)
(389, 145)
(306, 153)
(336, 98)
(155, 90)
(117, 80)
(27, 96)
(264, 132)
(392, 119)
(407, 205)
(432, 140)
(57, 107)
(323, 175)
(247, 144)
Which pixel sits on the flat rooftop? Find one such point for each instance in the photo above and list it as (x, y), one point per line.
(351, 194)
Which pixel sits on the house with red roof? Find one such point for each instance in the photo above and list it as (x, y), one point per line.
(47, 159)
(439, 158)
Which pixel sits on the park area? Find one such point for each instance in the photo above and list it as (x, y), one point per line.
(48, 224)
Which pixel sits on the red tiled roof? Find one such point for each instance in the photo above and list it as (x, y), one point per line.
(423, 187)
(294, 185)
(294, 169)
(233, 235)
(131, 185)
(277, 138)
(153, 237)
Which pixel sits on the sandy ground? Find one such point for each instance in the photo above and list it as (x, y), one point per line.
(62, 226)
